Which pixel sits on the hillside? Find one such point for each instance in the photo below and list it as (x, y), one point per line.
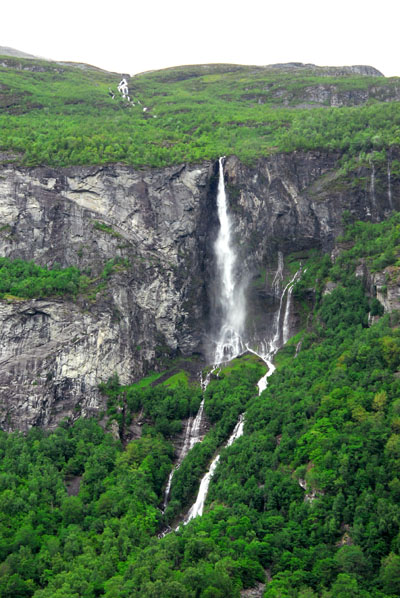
(149, 289)
(58, 114)
(306, 499)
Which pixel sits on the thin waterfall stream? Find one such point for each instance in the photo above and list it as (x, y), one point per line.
(389, 175)
(229, 342)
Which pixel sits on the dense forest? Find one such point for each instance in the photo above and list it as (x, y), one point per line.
(307, 498)
(306, 503)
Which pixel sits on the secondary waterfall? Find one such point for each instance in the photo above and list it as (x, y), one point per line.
(281, 333)
(230, 342)
(231, 300)
(278, 278)
(372, 184)
(197, 508)
(193, 435)
(389, 177)
(184, 451)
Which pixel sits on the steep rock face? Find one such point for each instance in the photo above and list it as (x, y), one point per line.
(55, 353)
(384, 285)
(334, 97)
(159, 302)
(292, 203)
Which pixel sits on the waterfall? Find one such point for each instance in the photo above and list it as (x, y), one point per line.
(192, 436)
(268, 349)
(372, 184)
(230, 343)
(389, 185)
(197, 508)
(195, 430)
(231, 293)
(278, 278)
(286, 319)
(168, 488)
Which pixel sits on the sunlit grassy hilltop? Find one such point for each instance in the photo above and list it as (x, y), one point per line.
(62, 114)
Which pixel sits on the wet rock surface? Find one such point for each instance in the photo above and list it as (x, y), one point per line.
(163, 223)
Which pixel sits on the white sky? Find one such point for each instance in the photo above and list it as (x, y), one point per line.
(132, 36)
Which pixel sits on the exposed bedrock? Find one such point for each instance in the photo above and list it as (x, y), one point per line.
(163, 223)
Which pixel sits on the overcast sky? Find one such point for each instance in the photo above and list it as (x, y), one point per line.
(131, 36)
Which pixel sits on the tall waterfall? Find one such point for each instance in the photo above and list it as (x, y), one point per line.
(231, 299)
(230, 342)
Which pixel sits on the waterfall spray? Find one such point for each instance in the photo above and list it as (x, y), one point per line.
(230, 343)
(231, 293)
(389, 177)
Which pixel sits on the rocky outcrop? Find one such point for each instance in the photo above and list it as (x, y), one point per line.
(383, 285)
(54, 353)
(329, 71)
(161, 225)
(292, 203)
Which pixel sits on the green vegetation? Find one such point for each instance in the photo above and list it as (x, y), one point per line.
(309, 494)
(178, 379)
(61, 115)
(20, 279)
(26, 280)
(379, 243)
(105, 228)
(162, 407)
(73, 543)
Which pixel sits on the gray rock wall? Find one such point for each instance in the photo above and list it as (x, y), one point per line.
(53, 353)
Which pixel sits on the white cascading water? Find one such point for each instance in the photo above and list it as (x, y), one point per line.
(184, 451)
(372, 184)
(389, 177)
(230, 343)
(278, 278)
(231, 296)
(193, 435)
(281, 334)
(197, 508)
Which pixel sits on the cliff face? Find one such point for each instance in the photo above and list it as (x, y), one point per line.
(291, 203)
(158, 303)
(54, 353)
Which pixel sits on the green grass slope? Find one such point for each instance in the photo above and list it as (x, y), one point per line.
(58, 114)
(306, 500)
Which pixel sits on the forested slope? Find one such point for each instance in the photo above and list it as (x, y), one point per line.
(306, 502)
(307, 497)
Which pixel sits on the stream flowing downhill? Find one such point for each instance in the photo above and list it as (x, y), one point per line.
(229, 343)
(231, 301)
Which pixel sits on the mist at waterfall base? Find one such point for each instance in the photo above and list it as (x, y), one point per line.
(231, 297)
(230, 342)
